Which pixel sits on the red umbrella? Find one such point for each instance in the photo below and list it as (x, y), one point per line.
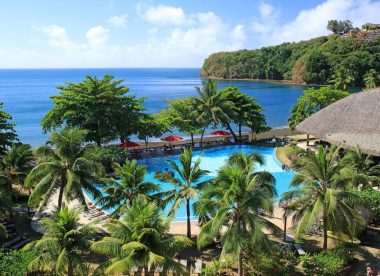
(129, 144)
(172, 138)
(220, 133)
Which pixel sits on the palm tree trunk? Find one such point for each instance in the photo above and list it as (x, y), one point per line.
(324, 231)
(232, 132)
(192, 140)
(61, 188)
(188, 218)
(239, 132)
(146, 142)
(285, 220)
(203, 132)
(28, 204)
(70, 270)
(240, 264)
(307, 139)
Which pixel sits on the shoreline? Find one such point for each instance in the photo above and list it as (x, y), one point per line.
(265, 80)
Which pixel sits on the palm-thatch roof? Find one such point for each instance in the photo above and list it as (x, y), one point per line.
(349, 122)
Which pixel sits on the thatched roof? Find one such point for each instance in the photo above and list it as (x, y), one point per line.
(352, 121)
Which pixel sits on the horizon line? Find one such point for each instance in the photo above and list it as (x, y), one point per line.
(78, 68)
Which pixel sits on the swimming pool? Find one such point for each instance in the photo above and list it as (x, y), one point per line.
(213, 159)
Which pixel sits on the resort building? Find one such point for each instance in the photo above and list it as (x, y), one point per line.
(368, 32)
(350, 122)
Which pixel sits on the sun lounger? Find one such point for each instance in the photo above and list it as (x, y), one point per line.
(21, 244)
(159, 269)
(198, 266)
(11, 242)
(299, 249)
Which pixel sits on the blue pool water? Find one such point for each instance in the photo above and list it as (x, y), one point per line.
(212, 160)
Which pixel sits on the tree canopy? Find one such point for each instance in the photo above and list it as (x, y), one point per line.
(181, 115)
(99, 106)
(339, 26)
(7, 132)
(246, 111)
(313, 61)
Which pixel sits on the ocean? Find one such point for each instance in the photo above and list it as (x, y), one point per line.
(26, 92)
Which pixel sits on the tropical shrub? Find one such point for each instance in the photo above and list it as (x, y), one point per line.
(331, 262)
(281, 261)
(15, 262)
(372, 198)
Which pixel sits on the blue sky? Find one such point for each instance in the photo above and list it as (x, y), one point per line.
(128, 33)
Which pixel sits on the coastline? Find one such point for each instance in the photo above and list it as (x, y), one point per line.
(289, 82)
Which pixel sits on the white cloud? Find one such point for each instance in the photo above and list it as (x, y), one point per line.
(266, 10)
(186, 40)
(164, 15)
(97, 36)
(239, 33)
(312, 22)
(118, 21)
(58, 37)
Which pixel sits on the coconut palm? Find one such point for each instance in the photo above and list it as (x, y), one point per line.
(186, 181)
(63, 167)
(321, 193)
(211, 107)
(64, 242)
(16, 163)
(342, 79)
(121, 193)
(140, 240)
(365, 169)
(232, 202)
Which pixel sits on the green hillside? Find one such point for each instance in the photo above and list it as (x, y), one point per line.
(313, 61)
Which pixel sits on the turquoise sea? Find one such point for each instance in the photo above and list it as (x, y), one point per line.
(26, 92)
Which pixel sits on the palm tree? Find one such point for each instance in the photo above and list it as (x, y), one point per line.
(232, 202)
(62, 245)
(16, 164)
(321, 193)
(187, 184)
(63, 166)
(342, 79)
(211, 107)
(365, 169)
(120, 194)
(371, 79)
(140, 240)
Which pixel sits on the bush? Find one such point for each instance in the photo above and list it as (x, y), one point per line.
(15, 262)
(329, 263)
(372, 197)
(281, 262)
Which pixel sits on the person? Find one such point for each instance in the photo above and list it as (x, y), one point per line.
(370, 271)
(361, 185)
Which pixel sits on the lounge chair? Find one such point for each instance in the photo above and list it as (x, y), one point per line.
(299, 249)
(11, 242)
(198, 266)
(21, 244)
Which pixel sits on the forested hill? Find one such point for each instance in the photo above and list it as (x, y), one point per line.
(313, 61)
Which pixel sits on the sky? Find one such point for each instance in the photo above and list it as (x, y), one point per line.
(165, 33)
